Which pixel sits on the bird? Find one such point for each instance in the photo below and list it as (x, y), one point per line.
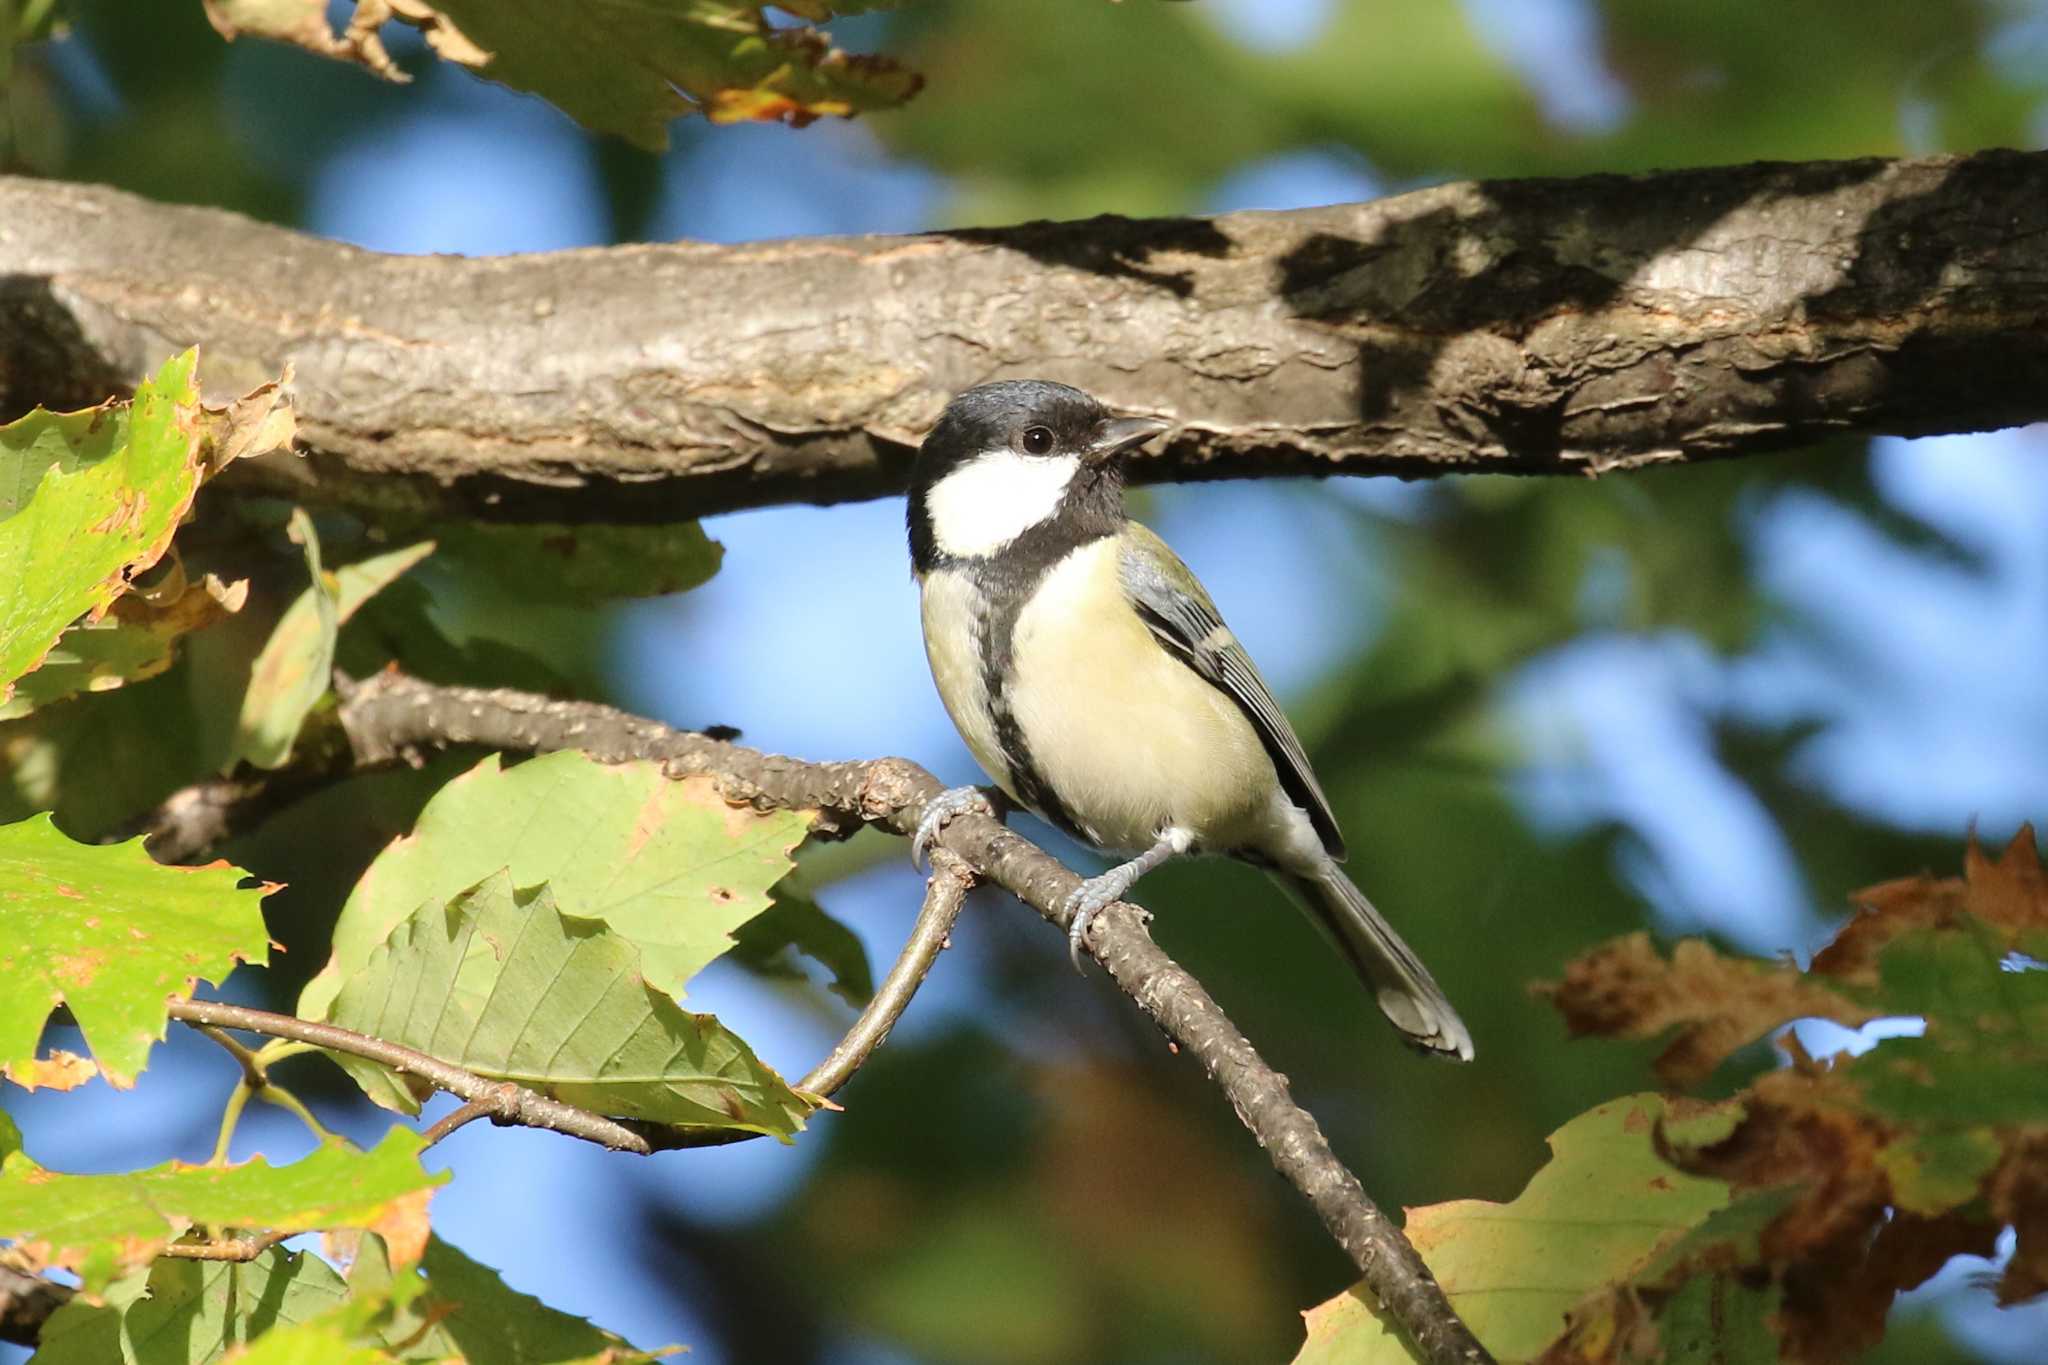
(1094, 681)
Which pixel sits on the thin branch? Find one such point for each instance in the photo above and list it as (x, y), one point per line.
(390, 716)
(459, 1117)
(514, 1103)
(227, 1249)
(945, 894)
(1536, 326)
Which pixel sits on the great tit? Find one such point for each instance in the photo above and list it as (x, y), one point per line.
(1093, 679)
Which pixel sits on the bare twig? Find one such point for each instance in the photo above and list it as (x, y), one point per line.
(227, 1249)
(390, 715)
(459, 1117)
(944, 895)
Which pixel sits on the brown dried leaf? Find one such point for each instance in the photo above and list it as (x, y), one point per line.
(257, 423)
(303, 23)
(2008, 892)
(2019, 1197)
(1626, 989)
(60, 1070)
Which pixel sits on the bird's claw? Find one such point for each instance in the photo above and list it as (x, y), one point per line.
(938, 811)
(1086, 902)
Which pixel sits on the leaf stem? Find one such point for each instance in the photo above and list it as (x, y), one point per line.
(230, 1117)
(273, 1093)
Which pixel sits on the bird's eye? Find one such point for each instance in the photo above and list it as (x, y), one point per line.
(1037, 440)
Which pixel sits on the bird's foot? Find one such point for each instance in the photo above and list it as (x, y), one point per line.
(941, 809)
(1087, 901)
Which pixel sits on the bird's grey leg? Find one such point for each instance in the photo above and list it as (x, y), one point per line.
(1092, 895)
(942, 808)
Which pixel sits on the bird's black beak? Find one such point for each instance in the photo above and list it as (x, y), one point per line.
(1119, 434)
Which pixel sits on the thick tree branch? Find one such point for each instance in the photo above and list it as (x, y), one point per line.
(1534, 326)
(391, 716)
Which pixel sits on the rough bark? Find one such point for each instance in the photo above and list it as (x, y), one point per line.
(1534, 326)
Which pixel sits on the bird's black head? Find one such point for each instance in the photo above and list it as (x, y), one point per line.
(1005, 458)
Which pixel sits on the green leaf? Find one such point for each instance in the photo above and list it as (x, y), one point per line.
(327, 1340)
(583, 564)
(502, 983)
(469, 1313)
(798, 922)
(292, 672)
(102, 1226)
(138, 639)
(111, 933)
(669, 864)
(1602, 1209)
(87, 1331)
(103, 509)
(195, 1312)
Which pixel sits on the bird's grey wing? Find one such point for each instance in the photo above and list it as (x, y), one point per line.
(1172, 603)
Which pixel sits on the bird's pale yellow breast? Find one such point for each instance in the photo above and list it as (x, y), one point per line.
(1131, 739)
(955, 624)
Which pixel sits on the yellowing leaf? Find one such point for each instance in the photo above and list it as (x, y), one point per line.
(291, 674)
(88, 500)
(137, 639)
(112, 934)
(102, 1226)
(102, 511)
(1601, 1210)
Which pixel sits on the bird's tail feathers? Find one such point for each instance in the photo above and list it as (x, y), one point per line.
(1407, 994)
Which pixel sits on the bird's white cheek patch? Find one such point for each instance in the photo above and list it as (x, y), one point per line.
(994, 498)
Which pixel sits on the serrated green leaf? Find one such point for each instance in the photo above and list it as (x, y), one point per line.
(137, 640)
(585, 563)
(1603, 1207)
(501, 983)
(799, 923)
(668, 864)
(468, 1313)
(97, 516)
(102, 1226)
(195, 1312)
(111, 933)
(327, 1340)
(85, 1332)
(292, 672)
